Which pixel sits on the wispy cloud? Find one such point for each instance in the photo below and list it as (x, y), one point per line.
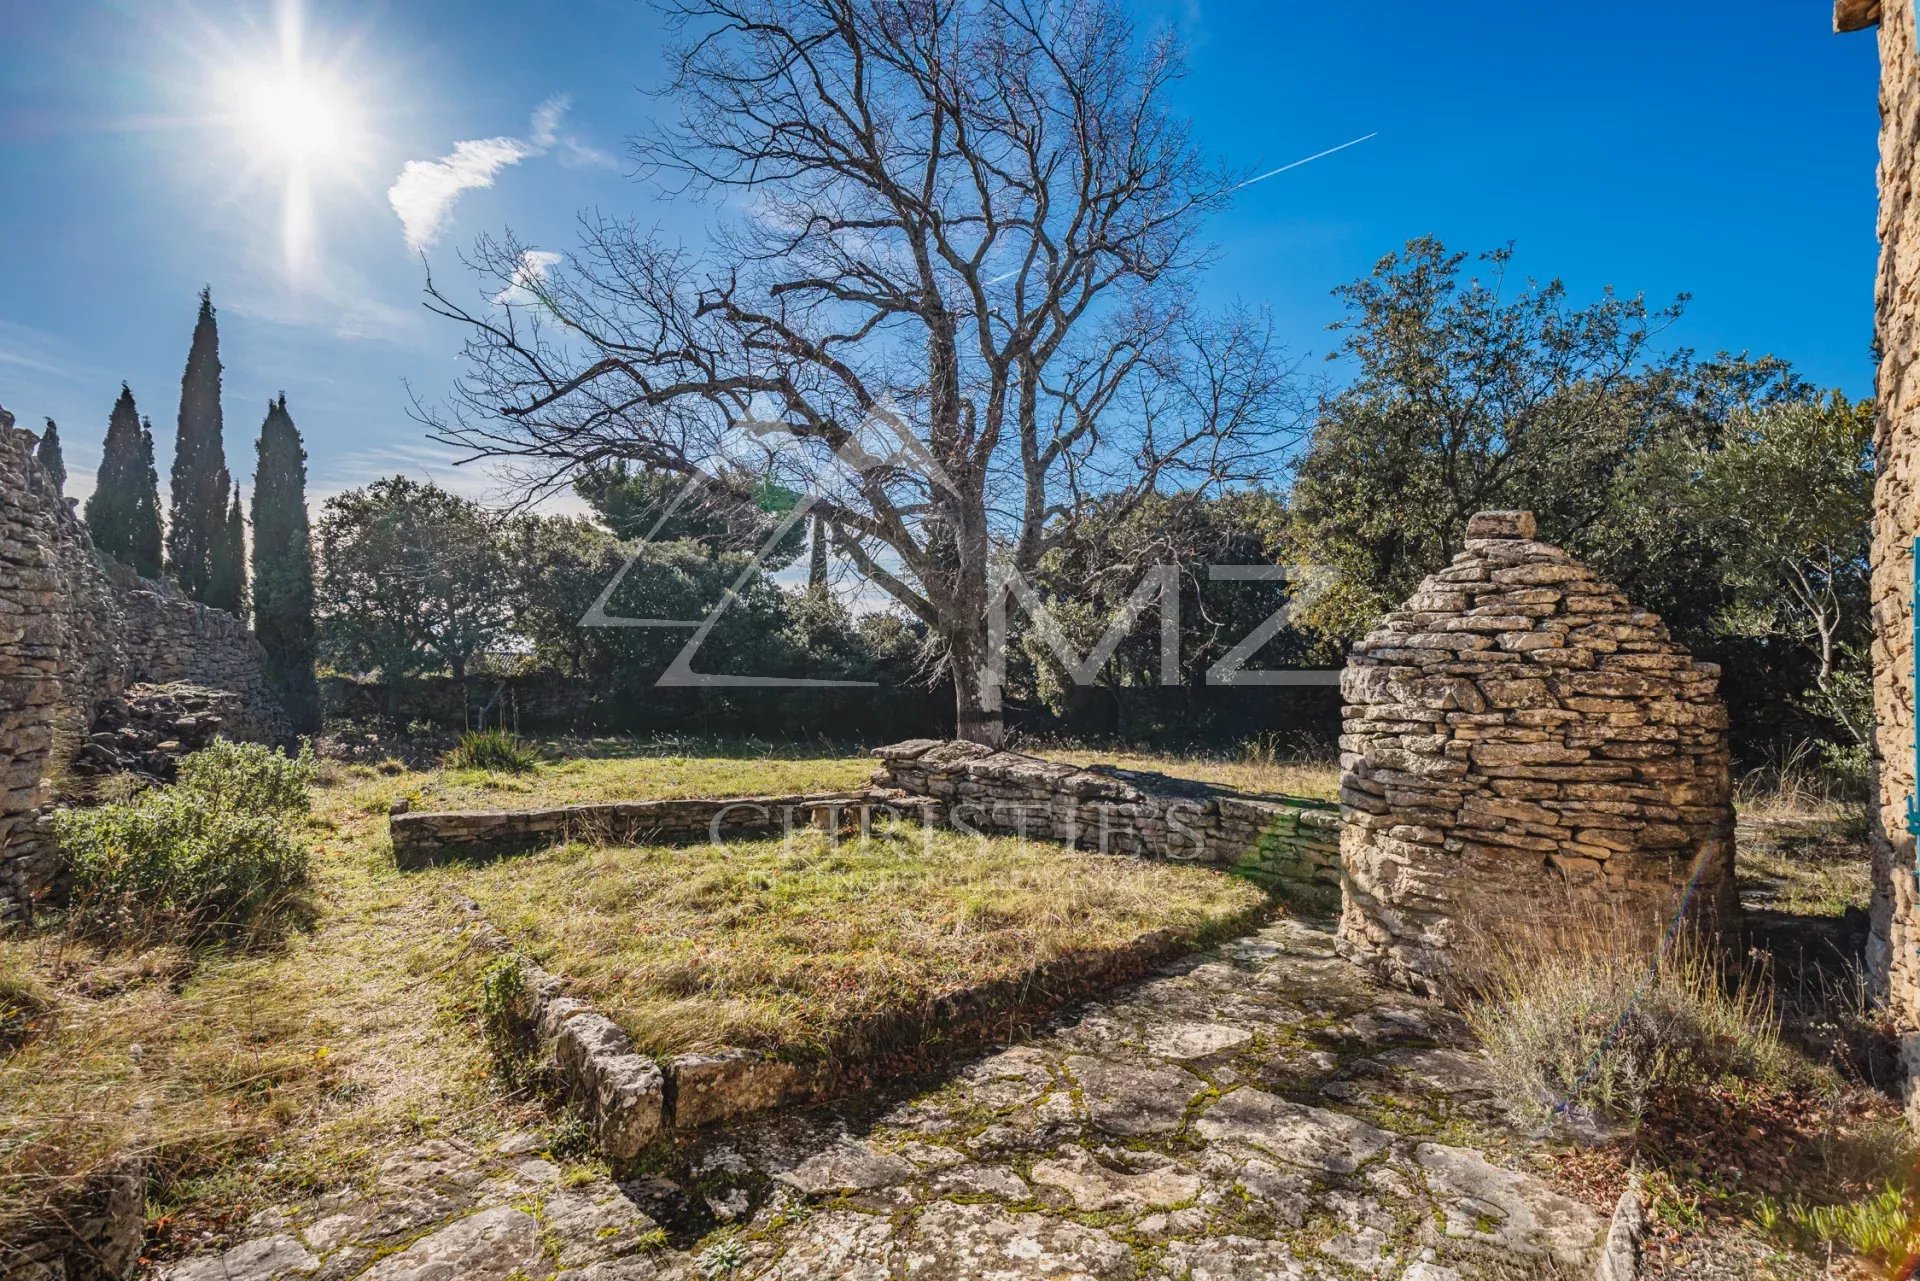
(426, 191)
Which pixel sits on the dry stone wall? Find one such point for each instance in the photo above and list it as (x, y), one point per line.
(1519, 741)
(74, 632)
(1291, 843)
(1894, 944)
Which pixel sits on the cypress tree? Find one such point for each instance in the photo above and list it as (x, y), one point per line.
(227, 570)
(817, 559)
(197, 523)
(49, 457)
(283, 565)
(147, 537)
(112, 511)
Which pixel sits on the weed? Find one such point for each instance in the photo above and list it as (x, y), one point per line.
(493, 750)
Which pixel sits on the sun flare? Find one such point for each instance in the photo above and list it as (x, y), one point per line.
(294, 116)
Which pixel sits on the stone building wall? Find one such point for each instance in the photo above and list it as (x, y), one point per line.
(61, 652)
(74, 632)
(1290, 843)
(1519, 742)
(1894, 946)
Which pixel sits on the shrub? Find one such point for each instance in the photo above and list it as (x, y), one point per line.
(506, 1018)
(493, 749)
(214, 853)
(247, 778)
(1597, 1027)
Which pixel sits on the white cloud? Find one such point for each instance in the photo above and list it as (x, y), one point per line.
(424, 193)
(426, 190)
(532, 269)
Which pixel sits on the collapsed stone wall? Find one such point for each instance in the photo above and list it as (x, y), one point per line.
(1893, 949)
(74, 632)
(180, 641)
(1291, 843)
(1521, 745)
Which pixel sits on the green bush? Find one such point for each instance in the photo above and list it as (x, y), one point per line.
(248, 778)
(493, 749)
(216, 853)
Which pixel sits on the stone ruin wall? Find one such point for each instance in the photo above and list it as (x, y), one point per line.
(1521, 745)
(1894, 944)
(1291, 844)
(74, 632)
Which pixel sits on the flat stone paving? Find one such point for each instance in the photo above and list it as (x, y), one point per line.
(1261, 1110)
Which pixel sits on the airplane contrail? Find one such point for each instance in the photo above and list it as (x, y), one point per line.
(1308, 160)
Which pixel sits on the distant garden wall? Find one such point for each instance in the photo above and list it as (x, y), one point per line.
(1291, 843)
(1522, 745)
(74, 632)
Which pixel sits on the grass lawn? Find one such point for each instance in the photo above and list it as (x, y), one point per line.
(621, 770)
(795, 946)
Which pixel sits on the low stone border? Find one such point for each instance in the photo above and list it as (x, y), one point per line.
(427, 839)
(1291, 843)
(632, 1099)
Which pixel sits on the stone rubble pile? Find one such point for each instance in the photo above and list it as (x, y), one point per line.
(1522, 746)
(149, 728)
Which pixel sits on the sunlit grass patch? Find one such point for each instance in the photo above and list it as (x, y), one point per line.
(642, 772)
(795, 947)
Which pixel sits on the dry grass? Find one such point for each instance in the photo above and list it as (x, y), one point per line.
(795, 946)
(245, 1077)
(250, 1077)
(621, 770)
(1595, 1016)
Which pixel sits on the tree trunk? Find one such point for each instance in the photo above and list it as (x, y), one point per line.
(977, 714)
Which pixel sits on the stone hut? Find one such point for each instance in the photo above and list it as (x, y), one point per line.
(1520, 742)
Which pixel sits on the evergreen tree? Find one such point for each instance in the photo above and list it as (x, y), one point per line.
(147, 539)
(283, 565)
(200, 487)
(112, 513)
(48, 455)
(817, 558)
(227, 568)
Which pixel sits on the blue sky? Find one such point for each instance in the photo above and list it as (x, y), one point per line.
(1726, 151)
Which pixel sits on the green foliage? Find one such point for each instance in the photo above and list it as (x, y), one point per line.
(47, 454)
(412, 577)
(227, 574)
(493, 749)
(647, 505)
(123, 512)
(504, 1003)
(1719, 494)
(283, 565)
(1880, 1224)
(197, 525)
(216, 853)
(249, 778)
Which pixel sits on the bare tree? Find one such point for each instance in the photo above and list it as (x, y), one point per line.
(949, 299)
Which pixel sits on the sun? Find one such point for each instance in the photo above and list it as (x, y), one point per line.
(294, 116)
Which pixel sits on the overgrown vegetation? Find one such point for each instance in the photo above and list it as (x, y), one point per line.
(493, 749)
(1584, 1022)
(216, 852)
